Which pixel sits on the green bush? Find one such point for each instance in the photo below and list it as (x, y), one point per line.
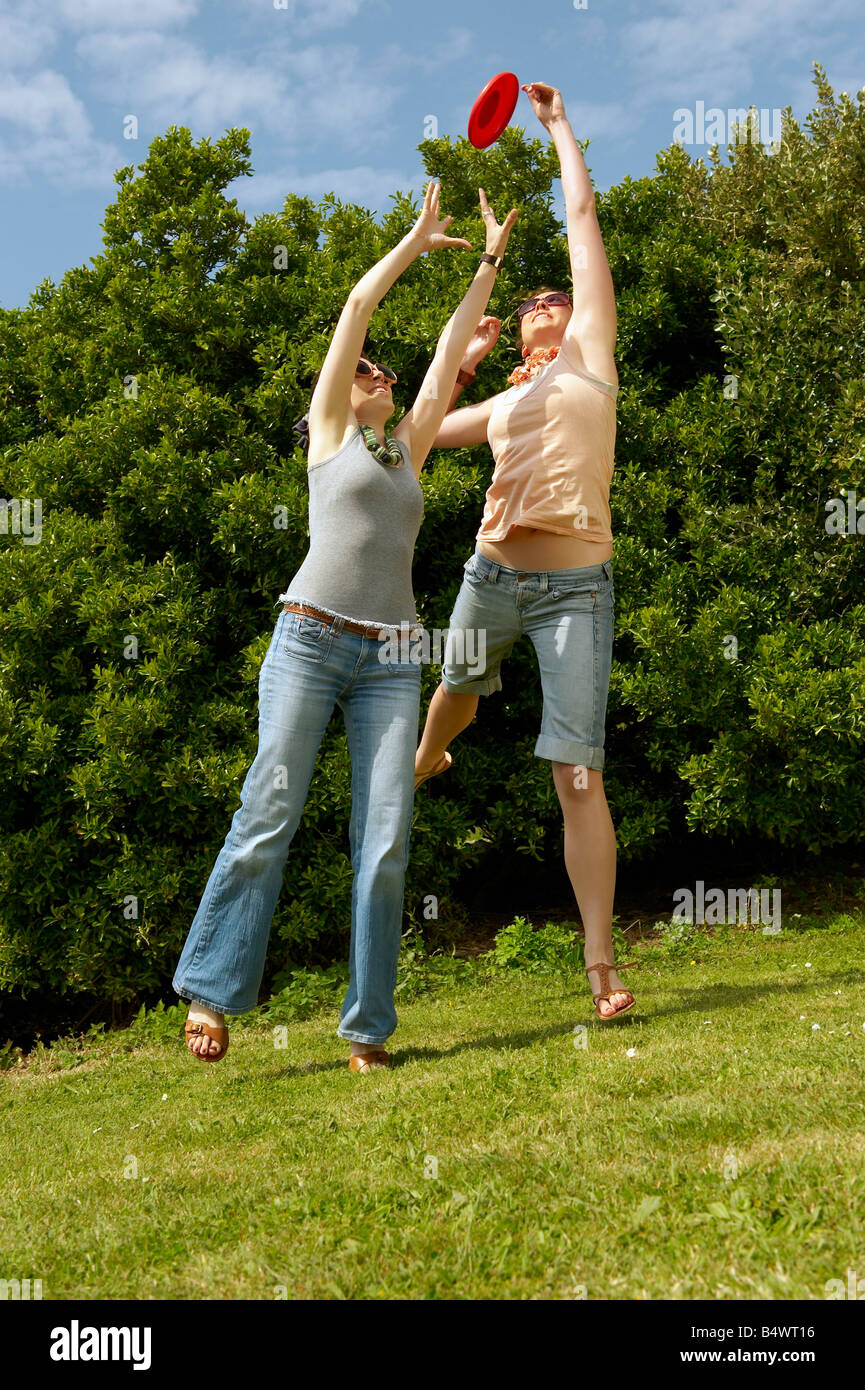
(679, 940)
(421, 971)
(147, 401)
(299, 993)
(538, 951)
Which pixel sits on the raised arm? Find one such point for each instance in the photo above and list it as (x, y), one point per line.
(420, 427)
(330, 410)
(592, 325)
(468, 425)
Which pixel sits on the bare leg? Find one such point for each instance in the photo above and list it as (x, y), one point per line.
(447, 716)
(590, 859)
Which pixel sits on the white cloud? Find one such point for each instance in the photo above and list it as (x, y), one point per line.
(352, 105)
(52, 136)
(303, 96)
(310, 15)
(327, 14)
(28, 31)
(306, 94)
(170, 81)
(123, 14)
(363, 183)
(599, 120)
(44, 104)
(23, 39)
(307, 97)
(58, 161)
(45, 129)
(720, 56)
(121, 56)
(452, 49)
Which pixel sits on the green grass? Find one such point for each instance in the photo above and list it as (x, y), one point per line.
(724, 1159)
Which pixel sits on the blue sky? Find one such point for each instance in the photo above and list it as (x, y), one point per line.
(303, 76)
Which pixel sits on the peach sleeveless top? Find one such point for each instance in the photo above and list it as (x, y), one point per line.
(553, 440)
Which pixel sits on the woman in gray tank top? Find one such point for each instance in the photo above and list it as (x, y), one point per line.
(330, 647)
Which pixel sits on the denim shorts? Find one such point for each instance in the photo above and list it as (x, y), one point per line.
(568, 616)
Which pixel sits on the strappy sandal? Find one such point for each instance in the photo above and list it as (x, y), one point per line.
(604, 970)
(369, 1061)
(424, 776)
(215, 1031)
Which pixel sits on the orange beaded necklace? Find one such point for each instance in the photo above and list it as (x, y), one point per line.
(537, 358)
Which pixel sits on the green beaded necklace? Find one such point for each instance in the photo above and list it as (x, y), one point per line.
(388, 452)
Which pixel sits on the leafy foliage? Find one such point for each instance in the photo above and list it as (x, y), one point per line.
(547, 949)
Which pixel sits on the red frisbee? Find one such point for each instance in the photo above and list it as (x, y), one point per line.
(493, 109)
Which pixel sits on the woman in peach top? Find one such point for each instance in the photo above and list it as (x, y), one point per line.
(542, 564)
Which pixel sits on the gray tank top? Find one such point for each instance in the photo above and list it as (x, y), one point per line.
(364, 517)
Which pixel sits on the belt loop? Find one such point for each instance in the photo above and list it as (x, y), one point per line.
(479, 555)
(338, 625)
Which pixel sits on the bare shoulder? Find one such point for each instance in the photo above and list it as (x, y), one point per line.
(592, 355)
(325, 441)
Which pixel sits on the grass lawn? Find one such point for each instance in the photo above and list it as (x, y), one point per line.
(709, 1145)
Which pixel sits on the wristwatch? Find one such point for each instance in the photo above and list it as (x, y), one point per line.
(496, 261)
(465, 378)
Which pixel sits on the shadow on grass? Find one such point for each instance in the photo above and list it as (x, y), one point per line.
(492, 1042)
(698, 1000)
(691, 1000)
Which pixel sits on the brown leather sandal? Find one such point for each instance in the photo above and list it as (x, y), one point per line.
(604, 970)
(368, 1061)
(217, 1032)
(445, 759)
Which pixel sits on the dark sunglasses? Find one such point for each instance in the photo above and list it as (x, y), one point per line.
(364, 369)
(552, 299)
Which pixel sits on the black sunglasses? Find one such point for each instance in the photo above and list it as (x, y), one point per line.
(552, 299)
(364, 369)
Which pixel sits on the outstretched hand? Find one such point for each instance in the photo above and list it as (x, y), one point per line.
(497, 235)
(546, 100)
(430, 229)
(483, 340)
